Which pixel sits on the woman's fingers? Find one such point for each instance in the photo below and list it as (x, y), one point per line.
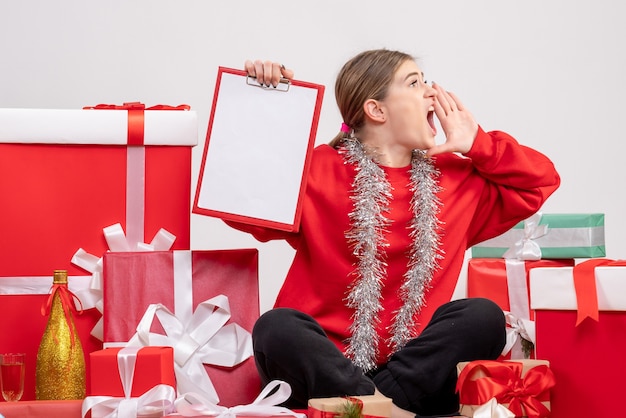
(267, 72)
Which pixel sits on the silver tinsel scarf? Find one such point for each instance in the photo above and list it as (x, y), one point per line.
(371, 194)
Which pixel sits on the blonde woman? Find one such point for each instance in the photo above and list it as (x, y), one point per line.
(387, 217)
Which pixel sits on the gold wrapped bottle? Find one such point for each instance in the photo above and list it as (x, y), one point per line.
(60, 371)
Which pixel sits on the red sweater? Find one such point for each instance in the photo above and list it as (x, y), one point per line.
(498, 184)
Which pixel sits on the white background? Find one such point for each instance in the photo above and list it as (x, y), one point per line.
(551, 73)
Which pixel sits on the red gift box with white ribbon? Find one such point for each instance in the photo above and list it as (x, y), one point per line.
(131, 382)
(505, 281)
(151, 366)
(67, 174)
(580, 315)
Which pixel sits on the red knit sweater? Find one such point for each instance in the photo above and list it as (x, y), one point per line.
(494, 186)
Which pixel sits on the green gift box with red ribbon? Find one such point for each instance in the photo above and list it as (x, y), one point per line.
(580, 315)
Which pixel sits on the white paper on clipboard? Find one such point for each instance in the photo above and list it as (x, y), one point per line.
(256, 152)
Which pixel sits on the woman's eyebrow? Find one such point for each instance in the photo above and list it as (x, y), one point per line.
(420, 74)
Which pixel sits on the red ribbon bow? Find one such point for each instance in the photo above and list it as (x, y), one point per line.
(504, 381)
(66, 296)
(585, 286)
(136, 117)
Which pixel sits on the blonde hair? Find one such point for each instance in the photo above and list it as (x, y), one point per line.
(365, 76)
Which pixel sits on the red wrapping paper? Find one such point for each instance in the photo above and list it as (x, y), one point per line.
(133, 281)
(56, 198)
(154, 365)
(486, 277)
(22, 327)
(523, 386)
(588, 362)
(587, 358)
(41, 409)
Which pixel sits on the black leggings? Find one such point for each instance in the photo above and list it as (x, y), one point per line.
(421, 377)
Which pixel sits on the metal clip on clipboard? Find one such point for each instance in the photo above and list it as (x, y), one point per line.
(283, 84)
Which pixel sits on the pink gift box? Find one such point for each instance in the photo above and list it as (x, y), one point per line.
(587, 359)
(134, 281)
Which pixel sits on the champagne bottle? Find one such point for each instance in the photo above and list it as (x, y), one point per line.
(60, 370)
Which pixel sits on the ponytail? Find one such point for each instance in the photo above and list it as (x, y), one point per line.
(345, 132)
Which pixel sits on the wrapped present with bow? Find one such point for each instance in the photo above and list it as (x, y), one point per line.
(158, 400)
(151, 366)
(202, 303)
(522, 386)
(580, 317)
(66, 175)
(265, 405)
(492, 409)
(371, 406)
(567, 235)
(505, 281)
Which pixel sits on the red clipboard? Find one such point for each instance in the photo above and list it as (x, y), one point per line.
(257, 151)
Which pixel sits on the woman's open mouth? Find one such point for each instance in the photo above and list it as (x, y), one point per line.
(430, 117)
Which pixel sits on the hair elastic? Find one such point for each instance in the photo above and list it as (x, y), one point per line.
(345, 128)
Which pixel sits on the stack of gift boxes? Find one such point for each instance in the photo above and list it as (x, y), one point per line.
(104, 193)
(564, 305)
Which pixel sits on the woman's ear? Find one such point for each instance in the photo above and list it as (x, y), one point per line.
(374, 110)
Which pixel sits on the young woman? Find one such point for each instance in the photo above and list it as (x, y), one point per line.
(387, 217)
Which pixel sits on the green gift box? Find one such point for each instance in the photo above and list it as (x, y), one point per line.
(550, 235)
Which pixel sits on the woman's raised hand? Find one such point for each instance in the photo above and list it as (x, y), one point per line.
(267, 72)
(457, 122)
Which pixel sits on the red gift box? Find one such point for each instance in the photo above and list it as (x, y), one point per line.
(135, 281)
(522, 386)
(154, 365)
(66, 175)
(505, 282)
(587, 359)
(23, 324)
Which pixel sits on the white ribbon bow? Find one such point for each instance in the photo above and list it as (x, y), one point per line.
(193, 404)
(526, 248)
(517, 327)
(204, 338)
(492, 409)
(159, 399)
(117, 242)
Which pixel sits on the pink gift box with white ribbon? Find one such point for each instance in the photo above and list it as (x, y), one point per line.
(202, 303)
